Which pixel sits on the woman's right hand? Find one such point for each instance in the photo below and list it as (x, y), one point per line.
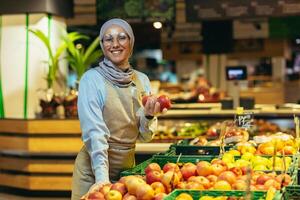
(94, 188)
(152, 107)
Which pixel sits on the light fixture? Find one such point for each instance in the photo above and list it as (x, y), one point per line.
(157, 25)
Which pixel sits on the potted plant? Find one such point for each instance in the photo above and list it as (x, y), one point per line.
(80, 59)
(50, 102)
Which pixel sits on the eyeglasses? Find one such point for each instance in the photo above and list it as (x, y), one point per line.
(108, 39)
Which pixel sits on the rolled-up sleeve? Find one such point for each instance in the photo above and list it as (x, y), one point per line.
(95, 133)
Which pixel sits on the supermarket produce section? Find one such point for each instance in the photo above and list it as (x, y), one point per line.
(189, 151)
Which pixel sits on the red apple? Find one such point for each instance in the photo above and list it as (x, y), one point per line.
(145, 192)
(228, 176)
(144, 100)
(221, 162)
(152, 167)
(245, 169)
(133, 184)
(181, 185)
(153, 176)
(194, 186)
(188, 170)
(237, 171)
(200, 179)
(113, 195)
(272, 183)
(204, 168)
(222, 185)
(239, 185)
(96, 196)
(128, 196)
(284, 179)
(212, 179)
(119, 187)
(170, 167)
(170, 179)
(260, 187)
(160, 196)
(289, 150)
(261, 179)
(105, 188)
(158, 187)
(164, 102)
(217, 169)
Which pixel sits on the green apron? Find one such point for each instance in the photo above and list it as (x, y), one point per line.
(119, 114)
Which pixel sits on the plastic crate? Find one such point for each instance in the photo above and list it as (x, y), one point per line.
(162, 160)
(186, 149)
(196, 194)
(292, 192)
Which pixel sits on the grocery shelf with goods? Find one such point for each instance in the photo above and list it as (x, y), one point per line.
(267, 119)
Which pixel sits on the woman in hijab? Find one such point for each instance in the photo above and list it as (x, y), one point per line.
(110, 111)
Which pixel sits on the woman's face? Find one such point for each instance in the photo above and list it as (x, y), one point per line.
(116, 46)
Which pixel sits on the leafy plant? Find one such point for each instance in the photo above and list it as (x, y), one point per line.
(54, 56)
(81, 58)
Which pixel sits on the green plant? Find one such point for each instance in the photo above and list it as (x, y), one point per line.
(81, 58)
(54, 56)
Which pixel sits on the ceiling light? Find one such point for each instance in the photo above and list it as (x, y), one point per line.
(157, 25)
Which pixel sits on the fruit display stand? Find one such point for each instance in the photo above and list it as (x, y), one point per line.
(197, 194)
(181, 159)
(38, 154)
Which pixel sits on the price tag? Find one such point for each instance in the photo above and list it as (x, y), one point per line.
(244, 120)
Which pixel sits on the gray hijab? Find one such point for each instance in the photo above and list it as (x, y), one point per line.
(106, 68)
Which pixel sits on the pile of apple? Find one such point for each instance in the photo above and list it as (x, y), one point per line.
(256, 162)
(158, 182)
(286, 147)
(215, 175)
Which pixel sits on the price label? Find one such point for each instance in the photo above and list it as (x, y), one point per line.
(244, 120)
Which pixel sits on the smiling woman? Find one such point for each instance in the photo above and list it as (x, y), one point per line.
(111, 114)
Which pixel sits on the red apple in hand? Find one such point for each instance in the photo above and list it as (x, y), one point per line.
(144, 100)
(164, 102)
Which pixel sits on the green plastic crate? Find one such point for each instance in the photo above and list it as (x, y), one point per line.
(162, 160)
(292, 192)
(185, 148)
(193, 150)
(196, 194)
